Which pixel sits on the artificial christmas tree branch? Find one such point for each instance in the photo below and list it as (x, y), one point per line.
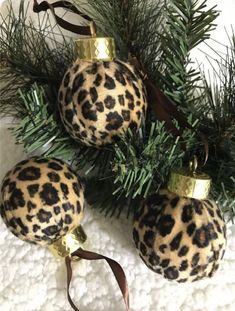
(216, 115)
(134, 24)
(38, 129)
(140, 160)
(29, 54)
(188, 23)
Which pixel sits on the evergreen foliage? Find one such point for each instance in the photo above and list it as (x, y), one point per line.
(134, 24)
(140, 160)
(216, 114)
(29, 54)
(161, 35)
(188, 23)
(38, 129)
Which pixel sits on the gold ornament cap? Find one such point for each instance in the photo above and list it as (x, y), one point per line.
(189, 183)
(69, 243)
(95, 49)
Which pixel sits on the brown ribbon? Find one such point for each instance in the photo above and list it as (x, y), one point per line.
(116, 268)
(163, 108)
(81, 30)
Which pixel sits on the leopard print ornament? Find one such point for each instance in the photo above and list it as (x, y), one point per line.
(182, 238)
(99, 100)
(42, 203)
(41, 200)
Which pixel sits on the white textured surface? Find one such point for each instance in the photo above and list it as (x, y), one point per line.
(32, 280)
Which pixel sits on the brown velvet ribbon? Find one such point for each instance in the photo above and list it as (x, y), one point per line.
(164, 109)
(116, 268)
(89, 30)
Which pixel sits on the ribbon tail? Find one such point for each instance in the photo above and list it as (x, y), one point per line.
(159, 107)
(115, 267)
(165, 110)
(69, 278)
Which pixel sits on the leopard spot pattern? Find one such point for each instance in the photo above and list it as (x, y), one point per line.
(181, 238)
(106, 96)
(41, 199)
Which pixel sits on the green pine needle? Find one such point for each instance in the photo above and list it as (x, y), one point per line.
(30, 54)
(39, 131)
(188, 23)
(140, 163)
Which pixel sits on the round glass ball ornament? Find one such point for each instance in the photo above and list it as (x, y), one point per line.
(178, 232)
(100, 97)
(41, 200)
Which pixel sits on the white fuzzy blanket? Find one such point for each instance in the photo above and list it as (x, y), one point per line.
(31, 279)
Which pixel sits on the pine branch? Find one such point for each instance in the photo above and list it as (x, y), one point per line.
(99, 194)
(140, 165)
(38, 129)
(223, 187)
(217, 118)
(142, 161)
(188, 23)
(30, 54)
(221, 95)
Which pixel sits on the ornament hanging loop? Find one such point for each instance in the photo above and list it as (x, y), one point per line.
(88, 30)
(193, 165)
(93, 29)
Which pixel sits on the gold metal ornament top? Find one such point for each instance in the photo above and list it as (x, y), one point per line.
(95, 49)
(69, 243)
(190, 183)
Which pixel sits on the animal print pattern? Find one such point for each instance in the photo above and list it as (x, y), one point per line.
(181, 238)
(99, 101)
(41, 200)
